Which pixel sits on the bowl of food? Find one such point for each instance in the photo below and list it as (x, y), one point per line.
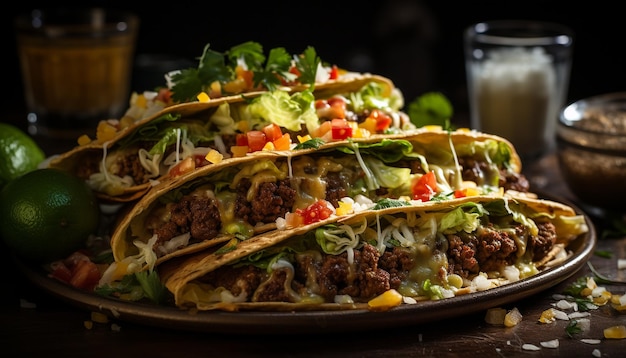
(591, 147)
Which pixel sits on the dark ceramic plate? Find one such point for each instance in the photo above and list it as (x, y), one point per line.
(321, 321)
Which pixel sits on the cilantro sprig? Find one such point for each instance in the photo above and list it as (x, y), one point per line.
(269, 72)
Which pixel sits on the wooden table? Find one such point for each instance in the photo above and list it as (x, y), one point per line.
(48, 326)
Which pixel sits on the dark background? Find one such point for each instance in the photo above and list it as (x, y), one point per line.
(418, 44)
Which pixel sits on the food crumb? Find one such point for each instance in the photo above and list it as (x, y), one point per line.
(99, 317)
(596, 353)
(26, 304)
(115, 327)
(591, 341)
(530, 347)
(513, 317)
(495, 316)
(621, 264)
(88, 324)
(550, 344)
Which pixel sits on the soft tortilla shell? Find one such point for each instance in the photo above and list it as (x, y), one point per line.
(177, 274)
(121, 242)
(72, 160)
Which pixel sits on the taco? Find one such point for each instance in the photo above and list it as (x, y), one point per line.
(183, 137)
(238, 199)
(406, 254)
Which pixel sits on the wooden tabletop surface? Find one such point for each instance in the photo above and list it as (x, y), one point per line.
(36, 323)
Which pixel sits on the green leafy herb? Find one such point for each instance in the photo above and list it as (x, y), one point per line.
(278, 63)
(576, 287)
(387, 203)
(307, 65)
(431, 108)
(573, 328)
(603, 253)
(268, 72)
(313, 143)
(137, 286)
(152, 286)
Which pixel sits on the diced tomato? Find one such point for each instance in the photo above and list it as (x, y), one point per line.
(338, 105)
(164, 95)
(61, 272)
(341, 129)
(320, 103)
(246, 75)
(283, 142)
(295, 71)
(460, 193)
(334, 73)
(334, 107)
(77, 270)
(425, 187)
(315, 212)
(200, 160)
(324, 128)
(256, 140)
(85, 275)
(186, 165)
(272, 132)
(383, 120)
(241, 139)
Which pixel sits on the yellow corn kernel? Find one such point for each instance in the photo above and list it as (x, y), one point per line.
(585, 292)
(303, 139)
(495, 316)
(512, 318)
(269, 146)
(214, 156)
(432, 127)
(615, 332)
(603, 299)
(242, 126)
(471, 192)
(105, 131)
(344, 208)
(547, 316)
(386, 300)
(126, 121)
(99, 317)
(239, 150)
(84, 139)
(369, 124)
(140, 101)
(203, 97)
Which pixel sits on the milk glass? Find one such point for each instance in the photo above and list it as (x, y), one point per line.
(518, 76)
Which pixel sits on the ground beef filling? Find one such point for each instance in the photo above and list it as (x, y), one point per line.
(200, 216)
(489, 250)
(473, 171)
(325, 275)
(193, 214)
(272, 201)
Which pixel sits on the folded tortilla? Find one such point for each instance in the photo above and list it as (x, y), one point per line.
(423, 252)
(235, 200)
(178, 138)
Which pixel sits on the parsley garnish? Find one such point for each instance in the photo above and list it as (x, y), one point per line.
(268, 72)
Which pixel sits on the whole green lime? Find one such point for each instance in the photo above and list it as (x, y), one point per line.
(46, 214)
(19, 154)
